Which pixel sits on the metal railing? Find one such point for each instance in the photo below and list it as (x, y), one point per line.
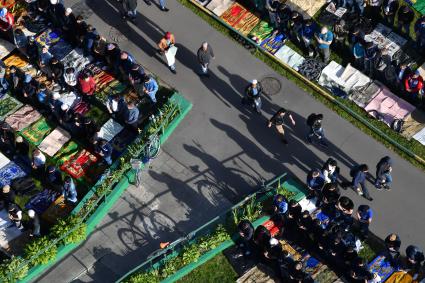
(158, 257)
(102, 199)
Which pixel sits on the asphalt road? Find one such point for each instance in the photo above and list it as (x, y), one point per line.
(221, 151)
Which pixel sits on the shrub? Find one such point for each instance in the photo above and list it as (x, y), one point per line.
(65, 225)
(34, 247)
(14, 266)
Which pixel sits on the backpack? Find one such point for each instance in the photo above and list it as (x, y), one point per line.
(310, 119)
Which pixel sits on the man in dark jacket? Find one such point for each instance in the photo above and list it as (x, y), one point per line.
(113, 57)
(405, 18)
(358, 183)
(89, 39)
(7, 138)
(104, 149)
(129, 10)
(414, 259)
(389, 8)
(314, 121)
(371, 53)
(246, 233)
(205, 54)
(55, 13)
(57, 71)
(392, 249)
(252, 95)
(383, 173)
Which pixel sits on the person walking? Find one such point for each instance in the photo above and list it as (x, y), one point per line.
(278, 120)
(324, 39)
(167, 47)
(383, 173)
(314, 121)
(129, 7)
(205, 54)
(359, 174)
(252, 95)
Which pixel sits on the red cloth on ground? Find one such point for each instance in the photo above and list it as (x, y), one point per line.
(7, 22)
(87, 87)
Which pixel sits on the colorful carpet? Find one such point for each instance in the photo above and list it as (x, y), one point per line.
(81, 107)
(8, 105)
(287, 247)
(16, 60)
(413, 123)
(37, 132)
(274, 42)
(218, 7)
(9, 172)
(41, 201)
(5, 48)
(114, 87)
(66, 153)
(23, 118)
(54, 141)
(3, 160)
(234, 14)
(98, 115)
(57, 210)
(78, 165)
(382, 267)
(48, 38)
(109, 130)
(247, 23)
(261, 32)
(60, 49)
(400, 277)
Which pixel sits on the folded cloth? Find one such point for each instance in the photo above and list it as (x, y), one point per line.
(41, 201)
(5, 48)
(78, 164)
(10, 172)
(109, 130)
(290, 57)
(413, 123)
(54, 141)
(65, 153)
(60, 49)
(273, 42)
(57, 210)
(247, 23)
(8, 105)
(48, 38)
(3, 160)
(233, 15)
(362, 95)
(75, 59)
(331, 75)
(218, 7)
(23, 117)
(68, 98)
(37, 132)
(354, 78)
(261, 32)
(382, 267)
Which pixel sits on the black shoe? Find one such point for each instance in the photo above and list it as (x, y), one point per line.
(165, 9)
(285, 142)
(148, 3)
(369, 198)
(173, 71)
(133, 20)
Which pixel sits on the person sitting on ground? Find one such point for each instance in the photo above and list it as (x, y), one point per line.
(69, 190)
(29, 89)
(116, 106)
(132, 115)
(38, 163)
(150, 87)
(70, 79)
(280, 204)
(32, 50)
(16, 78)
(364, 216)
(87, 84)
(7, 139)
(392, 249)
(104, 149)
(33, 224)
(358, 183)
(405, 18)
(330, 171)
(7, 197)
(44, 58)
(15, 215)
(252, 92)
(88, 40)
(53, 178)
(42, 96)
(414, 259)
(246, 233)
(414, 85)
(315, 182)
(57, 71)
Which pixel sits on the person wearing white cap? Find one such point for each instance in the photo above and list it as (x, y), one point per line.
(65, 116)
(68, 24)
(205, 54)
(6, 24)
(33, 223)
(252, 95)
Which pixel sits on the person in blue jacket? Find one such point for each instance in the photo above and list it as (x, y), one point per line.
(150, 87)
(315, 182)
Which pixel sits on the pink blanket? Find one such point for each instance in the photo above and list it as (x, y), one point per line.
(388, 107)
(22, 118)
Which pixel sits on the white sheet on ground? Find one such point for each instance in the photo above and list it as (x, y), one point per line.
(420, 136)
(290, 57)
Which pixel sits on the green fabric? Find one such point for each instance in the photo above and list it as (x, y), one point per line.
(37, 131)
(65, 153)
(261, 31)
(114, 87)
(420, 6)
(98, 115)
(8, 105)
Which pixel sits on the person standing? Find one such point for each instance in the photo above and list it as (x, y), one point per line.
(392, 249)
(252, 95)
(383, 173)
(405, 17)
(324, 39)
(389, 8)
(162, 6)
(359, 174)
(374, 10)
(166, 47)
(132, 115)
(69, 190)
(315, 182)
(364, 216)
(129, 7)
(278, 120)
(150, 87)
(307, 33)
(205, 54)
(33, 224)
(370, 55)
(330, 171)
(6, 24)
(314, 121)
(414, 257)
(104, 149)
(420, 32)
(38, 163)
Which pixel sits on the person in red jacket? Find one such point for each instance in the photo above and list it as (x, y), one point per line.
(6, 24)
(414, 84)
(87, 84)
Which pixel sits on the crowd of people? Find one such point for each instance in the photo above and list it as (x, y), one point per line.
(350, 39)
(332, 232)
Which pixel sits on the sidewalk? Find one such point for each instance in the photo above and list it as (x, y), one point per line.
(221, 151)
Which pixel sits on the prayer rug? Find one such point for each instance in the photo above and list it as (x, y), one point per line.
(103, 79)
(218, 7)
(3, 160)
(306, 7)
(57, 210)
(381, 266)
(54, 141)
(289, 57)
(387, 107)
(16, 60)
(98, 115)
(131, 95)
(362, 95)
(75, 59)
(65, 153)
(81, 107)
(69, 98)
(331, 75)
(10, 172)
(109, 130)
(233, 15)
(8, 231)
(60, 49)
(8, 105)
(41, 201)
(5, 48)
(292, 252)
(23, 118)
(400, 277)
(7, 3)
(48, 38)
(312, 266)
(274, 42)
(261, 32)
(78, 165)
(114, 87)
(413, 123)
(420, 136)
(37, 132)
(247, 23)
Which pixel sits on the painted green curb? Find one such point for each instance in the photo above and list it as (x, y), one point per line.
(110, 200)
